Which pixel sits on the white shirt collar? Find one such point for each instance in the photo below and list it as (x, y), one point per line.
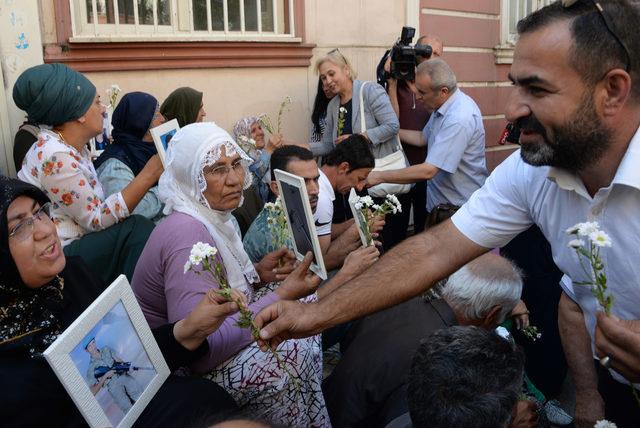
(628, 172)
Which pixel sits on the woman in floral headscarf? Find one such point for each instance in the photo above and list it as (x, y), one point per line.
(203, 182)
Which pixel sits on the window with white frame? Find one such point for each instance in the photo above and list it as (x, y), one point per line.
(171, 20)
(512, 12)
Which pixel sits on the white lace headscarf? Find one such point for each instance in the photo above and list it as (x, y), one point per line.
(182, 185)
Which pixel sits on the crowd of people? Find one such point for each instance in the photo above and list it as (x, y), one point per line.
(431, 323)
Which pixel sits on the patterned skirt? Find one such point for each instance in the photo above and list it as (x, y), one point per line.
(291, 396)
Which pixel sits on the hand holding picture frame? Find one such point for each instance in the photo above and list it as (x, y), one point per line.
(162, 136)
(108, 360)
(295, 201)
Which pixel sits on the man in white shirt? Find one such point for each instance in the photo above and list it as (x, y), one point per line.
(579, 114)
(346, 167)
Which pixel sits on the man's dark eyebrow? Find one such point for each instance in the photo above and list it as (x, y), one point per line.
(526, 81)
(22, 215)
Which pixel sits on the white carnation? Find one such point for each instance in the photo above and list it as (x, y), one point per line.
(587, 228)
(187, 266)
(201, 251)
(600, 238)
(573, 229)
(605, 424)
(576, 243)
(367, 201)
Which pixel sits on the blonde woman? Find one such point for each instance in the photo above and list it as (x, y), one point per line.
(343, 119)
(343, 111)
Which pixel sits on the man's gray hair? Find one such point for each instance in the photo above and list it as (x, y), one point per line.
(442, 76)
(481, 284)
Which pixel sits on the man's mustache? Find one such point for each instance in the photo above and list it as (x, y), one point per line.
(531, 124)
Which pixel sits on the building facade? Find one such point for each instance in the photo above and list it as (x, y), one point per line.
(248, 55)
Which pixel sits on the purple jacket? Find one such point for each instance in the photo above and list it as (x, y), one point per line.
(167, 295)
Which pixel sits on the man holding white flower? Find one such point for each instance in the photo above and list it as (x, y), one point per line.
(577, 102)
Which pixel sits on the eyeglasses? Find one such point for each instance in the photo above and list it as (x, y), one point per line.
(223, 171)
(24, 229)
(607, 23)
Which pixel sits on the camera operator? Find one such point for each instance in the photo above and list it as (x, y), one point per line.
(413, 116)
(455, 165)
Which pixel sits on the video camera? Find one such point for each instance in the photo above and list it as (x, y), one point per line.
(403, 55)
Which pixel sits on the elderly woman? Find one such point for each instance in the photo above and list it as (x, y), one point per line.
(89, 223)
(185, 105)
(249, 127)
(41, 294)
(131, 149)
(259, 193)
(206, 173)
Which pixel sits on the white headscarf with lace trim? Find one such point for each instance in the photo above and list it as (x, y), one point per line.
(182, 185)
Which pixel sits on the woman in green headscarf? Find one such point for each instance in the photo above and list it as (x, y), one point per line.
(90, 225)
(185, 105)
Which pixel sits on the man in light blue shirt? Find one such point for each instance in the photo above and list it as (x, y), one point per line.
(455, 164)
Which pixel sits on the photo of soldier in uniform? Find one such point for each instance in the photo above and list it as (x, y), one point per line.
(114, 364)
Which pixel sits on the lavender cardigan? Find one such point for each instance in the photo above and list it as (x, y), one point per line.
(167, 295)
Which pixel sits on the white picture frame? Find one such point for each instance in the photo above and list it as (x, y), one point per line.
(294, 198)
(162, 134)
(357, 217)
(118, 328)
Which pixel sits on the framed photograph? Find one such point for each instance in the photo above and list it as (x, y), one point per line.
(358, 217)
(295, 201)
(162, 136)
(108, 360)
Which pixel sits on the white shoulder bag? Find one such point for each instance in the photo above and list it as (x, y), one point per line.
(395, 160)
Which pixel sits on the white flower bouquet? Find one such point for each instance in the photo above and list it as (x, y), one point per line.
(587, 243)
(248, 145)
(112, 95)
(277, 222)
(266, 123)
(368, 210)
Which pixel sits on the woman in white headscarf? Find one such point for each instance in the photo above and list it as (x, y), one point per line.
(205, 175)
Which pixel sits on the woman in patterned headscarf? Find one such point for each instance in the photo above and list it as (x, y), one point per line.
(89, 223)
(206, 173)
(42, 292)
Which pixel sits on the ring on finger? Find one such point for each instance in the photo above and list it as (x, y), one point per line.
(605, 361)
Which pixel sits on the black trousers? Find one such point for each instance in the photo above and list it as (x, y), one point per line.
(418, 202)
(395, 228)
(545, 364)
(620, 406)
